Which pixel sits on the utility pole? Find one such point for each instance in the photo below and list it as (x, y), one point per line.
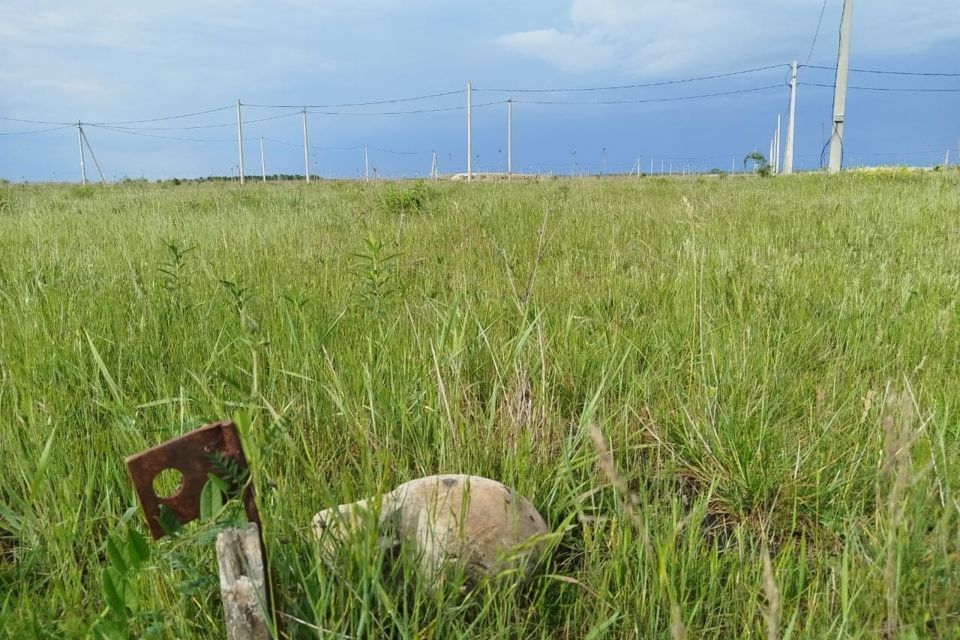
(83, 169)
(604, 153)
(771, 154)
(434, 171)
(776, 168)
(509, 138)
(733, 164)
(469, 132)
(83, 135)
(240, 139)
(263, 164)
(791, 113)
(651, 166)
(840, 88)
(366, 164)
(306, 147)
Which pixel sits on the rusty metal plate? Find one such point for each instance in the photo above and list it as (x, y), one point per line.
(194, 455)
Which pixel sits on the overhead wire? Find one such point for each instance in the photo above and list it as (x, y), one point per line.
(400, 153)
(354, 148)
(641, 85)
(355, 104)
(203, 126)
(9, 119)
(400, 113)
(888, 72)
(155, 135)
(817, 32)
(160, 119)
(645, 100)
(23, 133)
(893, 89)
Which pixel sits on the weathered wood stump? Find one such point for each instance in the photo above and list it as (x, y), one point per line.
(243, 585)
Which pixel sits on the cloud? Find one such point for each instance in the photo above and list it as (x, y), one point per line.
(650, 37)
(570, 51)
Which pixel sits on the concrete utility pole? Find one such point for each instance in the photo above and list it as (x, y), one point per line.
(776, 166)
(83, 169)
(469, 132)
(771, 153)
(840, 88)
(791, 113)
(240, 139)
(306, 147)
(366, 164)
(509, 138)
(95, 163)
(263, 163)
(434, 170)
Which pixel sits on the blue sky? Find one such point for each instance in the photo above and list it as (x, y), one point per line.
(105, 61)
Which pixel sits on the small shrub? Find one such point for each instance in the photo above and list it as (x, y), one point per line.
(761, 164)
(400, 201)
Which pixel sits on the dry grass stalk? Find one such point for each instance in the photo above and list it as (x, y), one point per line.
(772, 593)
(609, 468)
(678, 631)
(898, 437)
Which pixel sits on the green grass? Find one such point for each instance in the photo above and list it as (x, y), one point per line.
(774, 365)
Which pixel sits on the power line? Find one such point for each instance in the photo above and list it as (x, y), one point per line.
(673, 99)
(176, 117)
(400, 153)
(354, 148)
(23, 133)
(817, 32)
(887, 72)
(640, 85)
(354, 104)
(205, 126)
(400, 113)
(893, 89)
(154, 135)
(9, 119)
(897, 153)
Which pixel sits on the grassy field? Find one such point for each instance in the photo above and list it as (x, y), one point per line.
(773, 364)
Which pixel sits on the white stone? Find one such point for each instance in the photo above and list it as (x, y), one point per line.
(473, 522)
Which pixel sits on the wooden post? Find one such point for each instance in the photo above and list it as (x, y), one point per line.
(243, 584)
